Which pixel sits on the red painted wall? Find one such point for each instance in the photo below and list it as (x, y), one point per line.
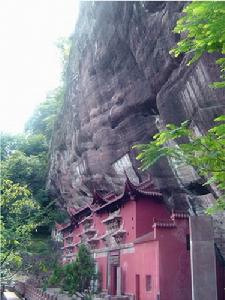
(76, 237)
(166, 260)
(129, 220)
(127, 263)
(174, 262)
(147, 209)
(100, 227)
(147, 263)
(102, 266)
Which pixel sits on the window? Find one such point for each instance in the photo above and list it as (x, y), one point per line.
(148, 282)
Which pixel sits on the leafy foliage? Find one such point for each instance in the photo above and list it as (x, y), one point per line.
(28, 166)
(205, 153)
(18, 211)
(76, 276)
(9, 143)
(25, 202)
(43, 118)
(37, 263)
(203, 28)
(33, 144)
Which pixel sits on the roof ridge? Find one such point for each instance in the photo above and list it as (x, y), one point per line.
(179, 215)
(163, 223)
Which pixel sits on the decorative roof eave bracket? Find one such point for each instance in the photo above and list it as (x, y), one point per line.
(111, 218)
(120, 232)
(98, 200)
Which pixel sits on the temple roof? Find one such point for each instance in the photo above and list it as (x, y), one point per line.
(61, 227)
(110, 218)
(111, 201)
(82, 212)
(87, 219)
(98, 200)
(179, 215)
(144, 188)
(120, 231)
(130, 191)
(163, 224)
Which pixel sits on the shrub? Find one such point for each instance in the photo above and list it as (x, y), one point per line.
(77, 276)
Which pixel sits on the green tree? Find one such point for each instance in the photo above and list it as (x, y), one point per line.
(64, 45)
(34, 144)
(9, 143)
(205, 153)
(44, 116)
(18, 221)
(24, 164)
(85, 269)
(203, 30)
(78, 275)
(29, 170)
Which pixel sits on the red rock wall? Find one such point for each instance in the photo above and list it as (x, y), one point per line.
(122, 87)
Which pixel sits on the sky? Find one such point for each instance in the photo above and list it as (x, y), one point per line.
(29, 60)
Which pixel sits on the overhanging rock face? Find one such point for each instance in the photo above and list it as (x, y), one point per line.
(122, 87)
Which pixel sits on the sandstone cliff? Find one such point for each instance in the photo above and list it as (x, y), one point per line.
(122, 87)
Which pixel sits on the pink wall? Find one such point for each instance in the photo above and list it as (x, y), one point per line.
(129, 220)
(128, 273)
(166, 260)
(146, 263)
(100, 227)
(147, 209)
(102, 265)
(174, 262)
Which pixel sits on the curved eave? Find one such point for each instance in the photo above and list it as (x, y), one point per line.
(83, 212)
(154, 194)
(97, 199)
(131, 188)
(119, 232)
(117, 200)
(88, 218)
(66, 227)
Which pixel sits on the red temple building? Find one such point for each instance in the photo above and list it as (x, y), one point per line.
(141, 250)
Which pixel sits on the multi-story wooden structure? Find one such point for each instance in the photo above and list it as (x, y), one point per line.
(141, 250)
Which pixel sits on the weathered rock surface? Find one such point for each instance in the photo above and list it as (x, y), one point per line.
(123, 86)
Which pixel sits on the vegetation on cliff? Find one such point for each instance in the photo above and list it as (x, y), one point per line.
(205, 153)
(19, 213)
(26, 206)
(203, 30)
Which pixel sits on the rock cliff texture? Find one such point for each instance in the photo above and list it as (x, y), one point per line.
(123, 86)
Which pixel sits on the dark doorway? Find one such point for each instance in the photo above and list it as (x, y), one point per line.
(113, 280)
(137, 287)
(113, 263)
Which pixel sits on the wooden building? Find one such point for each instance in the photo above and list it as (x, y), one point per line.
(141, 249)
